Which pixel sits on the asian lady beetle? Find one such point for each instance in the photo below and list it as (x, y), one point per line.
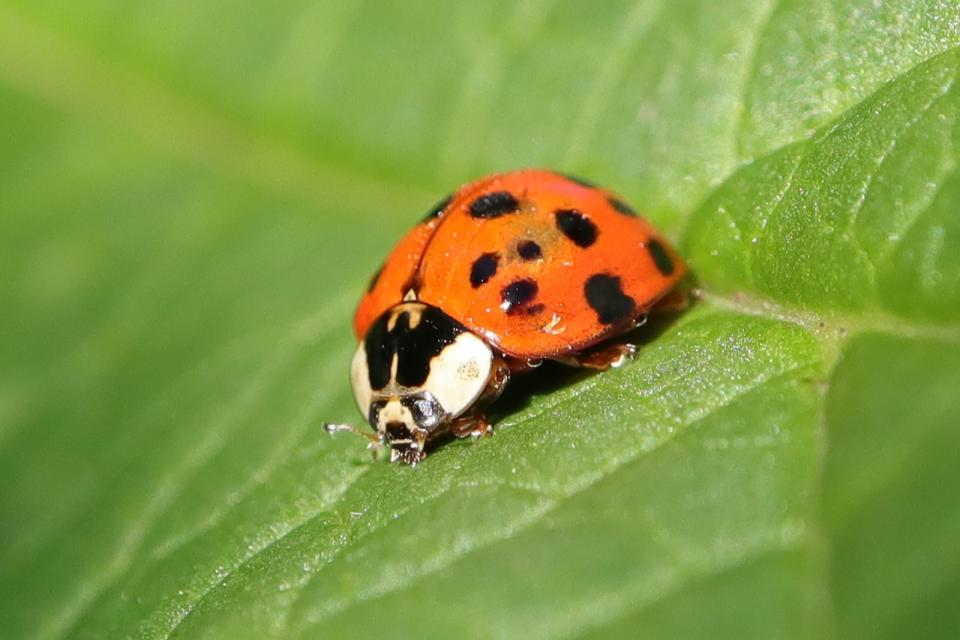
(508, 271)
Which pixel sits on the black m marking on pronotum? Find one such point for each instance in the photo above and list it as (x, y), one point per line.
(414, 346)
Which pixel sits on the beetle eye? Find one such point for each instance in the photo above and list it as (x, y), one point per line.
(374, 416)
(426, 412)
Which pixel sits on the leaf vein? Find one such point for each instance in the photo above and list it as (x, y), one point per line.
(551, 504)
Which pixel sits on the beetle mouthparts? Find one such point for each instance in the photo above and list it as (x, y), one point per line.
(407, 454)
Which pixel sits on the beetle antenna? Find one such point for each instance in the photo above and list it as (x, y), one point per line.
(336, 427)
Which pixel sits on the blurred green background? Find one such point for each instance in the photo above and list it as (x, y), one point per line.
(192, 195)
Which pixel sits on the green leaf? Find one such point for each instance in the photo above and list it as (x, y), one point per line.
(192, 196)
(857, 219)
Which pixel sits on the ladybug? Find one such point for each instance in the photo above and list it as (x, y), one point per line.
(508, 271)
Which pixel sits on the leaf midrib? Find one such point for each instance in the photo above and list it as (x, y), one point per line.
(554, 500)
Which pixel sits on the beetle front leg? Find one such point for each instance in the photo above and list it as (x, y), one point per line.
(472, 424)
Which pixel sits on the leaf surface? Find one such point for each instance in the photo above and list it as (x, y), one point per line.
(193, 194)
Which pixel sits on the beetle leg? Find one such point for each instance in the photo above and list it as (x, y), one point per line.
(676, 300)
(471, 424)
(499, 378)
(611, 357)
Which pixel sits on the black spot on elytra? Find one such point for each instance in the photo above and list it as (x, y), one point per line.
(484, 268)
(494, 205)
(660, 257)
(516, 295)
(605, 296)
(579, 181)
(529, 250)
(621, 207)
(437, 209)
(577, 227)
(414, 347)
(374, 279)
